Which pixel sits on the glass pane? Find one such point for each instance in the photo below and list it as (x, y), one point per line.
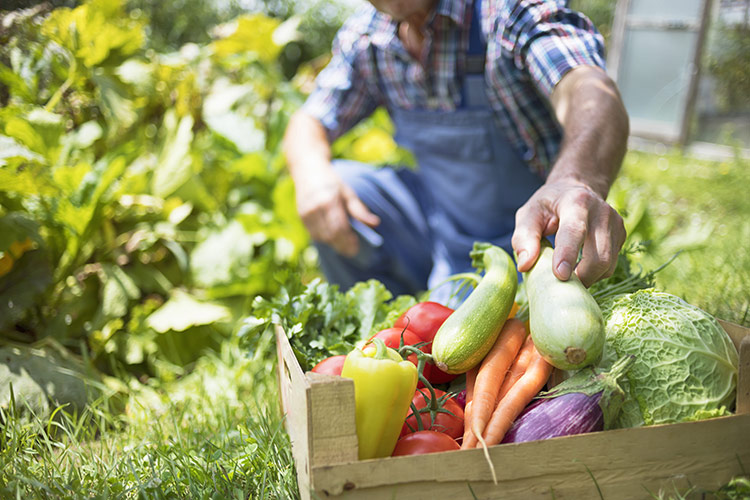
(688, 10)
(655, 75)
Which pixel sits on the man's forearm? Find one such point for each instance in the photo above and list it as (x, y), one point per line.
(572, 202)
(596, 127)
(305, 145)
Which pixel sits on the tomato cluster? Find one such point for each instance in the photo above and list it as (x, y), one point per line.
(440, 414)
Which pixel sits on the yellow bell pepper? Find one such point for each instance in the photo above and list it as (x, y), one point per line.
(384, 385)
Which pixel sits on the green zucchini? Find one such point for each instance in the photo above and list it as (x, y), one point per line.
(467, 335)
(565, 321)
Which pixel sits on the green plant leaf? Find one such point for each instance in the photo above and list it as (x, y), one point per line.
(22, 287)
(118, 290)
(183, 311)
(44, 377)
(174, 167)
(95, 31)
(118, 109)
(253, 33)
(10, 148)
(224, 255)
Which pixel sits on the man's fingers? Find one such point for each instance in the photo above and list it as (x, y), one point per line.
(595, 259)
(530, 226)
(357, 209)
(601, 248)
(339, 233)
(571, 235)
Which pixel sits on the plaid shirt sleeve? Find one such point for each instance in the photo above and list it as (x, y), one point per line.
(342, 96)
(547, 40)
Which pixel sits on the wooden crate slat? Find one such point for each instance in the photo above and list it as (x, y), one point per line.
(649, 452)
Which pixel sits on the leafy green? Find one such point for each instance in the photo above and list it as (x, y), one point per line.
(686, 366)
(321, 321)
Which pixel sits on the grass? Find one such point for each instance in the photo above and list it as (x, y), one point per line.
(217, 432)
(700, 209)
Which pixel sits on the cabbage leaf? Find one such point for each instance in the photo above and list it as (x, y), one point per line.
(686, 365)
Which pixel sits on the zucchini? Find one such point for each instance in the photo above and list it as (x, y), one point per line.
(566, 323)
(467, 335)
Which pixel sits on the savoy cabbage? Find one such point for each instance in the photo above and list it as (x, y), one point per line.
(686, 365)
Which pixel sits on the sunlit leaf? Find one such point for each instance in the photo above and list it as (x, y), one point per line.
(43, 378)
(224, 255)
(253, 33)
(174, 165)
(95, 31)
(183, 311)
(241, 131)
(86, 135)
(10, 148)
(221, 115)
(288, 31)
(118, 290)
(117, 107)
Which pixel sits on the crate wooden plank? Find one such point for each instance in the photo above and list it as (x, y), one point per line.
(333, 427)
(294, 395)
(622, 461)
(319, 414)
(743, 382)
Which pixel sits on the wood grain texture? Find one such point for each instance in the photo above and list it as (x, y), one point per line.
(623, 462)
(293, 392)
(332, 416)
(743, 381)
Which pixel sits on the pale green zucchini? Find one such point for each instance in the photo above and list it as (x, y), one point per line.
(467, 335)
(565, 321)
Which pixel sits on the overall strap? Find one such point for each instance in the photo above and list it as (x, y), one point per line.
(475, 56)
(473, 86)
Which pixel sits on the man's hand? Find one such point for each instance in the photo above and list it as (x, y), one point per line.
(581, 219)
(325, 204)
(571, 204)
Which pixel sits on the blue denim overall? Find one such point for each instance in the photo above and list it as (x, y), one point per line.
(468, 186)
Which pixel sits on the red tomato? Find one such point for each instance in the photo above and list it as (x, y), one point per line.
(391, 337)
(419, 443)
(331, 366)
(452, 425)
(424, 319)
(437, 376)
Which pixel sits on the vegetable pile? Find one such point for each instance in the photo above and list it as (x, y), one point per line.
(428, 378)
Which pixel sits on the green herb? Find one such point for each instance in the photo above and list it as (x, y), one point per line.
(319, 320)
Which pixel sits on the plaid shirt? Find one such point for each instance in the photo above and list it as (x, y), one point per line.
(531, 44)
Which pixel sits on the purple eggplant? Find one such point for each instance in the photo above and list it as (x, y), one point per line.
(589, 401)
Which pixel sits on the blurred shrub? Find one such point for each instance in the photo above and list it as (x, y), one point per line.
(601, 13)
(729, 63)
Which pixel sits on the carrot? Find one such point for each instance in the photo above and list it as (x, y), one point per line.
(513, 310)
(518, 367)
(471, 377)
(518, 397)
(491, 375)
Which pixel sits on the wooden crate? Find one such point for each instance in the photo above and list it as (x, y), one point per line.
(623, 464)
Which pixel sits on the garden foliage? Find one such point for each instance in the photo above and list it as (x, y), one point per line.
(143, 200)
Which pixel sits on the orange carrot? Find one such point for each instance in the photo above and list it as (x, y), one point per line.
(513, 310)
(519, 366)
(490, 377)
(518, 397)
(471, 377)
